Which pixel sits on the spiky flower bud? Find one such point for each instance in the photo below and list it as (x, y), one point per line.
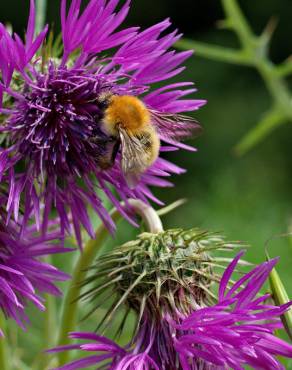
(160, 276)
(157, 273)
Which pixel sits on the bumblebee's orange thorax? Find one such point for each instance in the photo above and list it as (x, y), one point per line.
(128, 112)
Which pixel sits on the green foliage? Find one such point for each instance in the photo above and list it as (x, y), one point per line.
(253, 53)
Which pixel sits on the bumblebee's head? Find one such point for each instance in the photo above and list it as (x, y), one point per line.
(104, 99)
(127, 112)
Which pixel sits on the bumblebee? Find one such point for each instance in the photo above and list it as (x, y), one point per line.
(136, 130)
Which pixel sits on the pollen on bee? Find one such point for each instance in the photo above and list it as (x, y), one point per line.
(127, 111)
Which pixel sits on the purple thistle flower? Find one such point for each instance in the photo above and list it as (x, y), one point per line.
(236, 331)
(52, 118)
(23, 275)
(113, 356)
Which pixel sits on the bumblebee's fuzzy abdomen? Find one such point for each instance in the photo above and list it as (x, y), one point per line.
(127, 112)
(151, 144)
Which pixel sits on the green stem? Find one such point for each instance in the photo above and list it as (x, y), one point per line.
(171, 207)
(41, 10)
(276, 85)
(237, 21)
(69, 315)
(148, 214)
(215, 52)
(253, 52)
(284, 69)
(255, 49)
(4, 355)
(270, 121)
(281, 297)
(50, 320)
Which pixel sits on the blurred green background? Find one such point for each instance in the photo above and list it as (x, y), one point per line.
(247, 198)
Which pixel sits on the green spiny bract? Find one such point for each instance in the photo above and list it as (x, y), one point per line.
(158, 274)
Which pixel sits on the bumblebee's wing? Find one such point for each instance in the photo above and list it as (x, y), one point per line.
(133, 157)
(175, 126)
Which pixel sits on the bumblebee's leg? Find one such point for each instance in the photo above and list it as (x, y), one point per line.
(115, 151)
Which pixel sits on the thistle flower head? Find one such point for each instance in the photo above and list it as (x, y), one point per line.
(169, 271)
(182, 322)
(57, 153)
(23, 275)
(159, 276)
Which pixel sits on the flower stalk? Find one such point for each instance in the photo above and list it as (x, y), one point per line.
(4, 363)
(41, 10)
(148, 214)
(70, 305)
(49, 326)
(280, 297)
(91, 250)
(253, 53)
